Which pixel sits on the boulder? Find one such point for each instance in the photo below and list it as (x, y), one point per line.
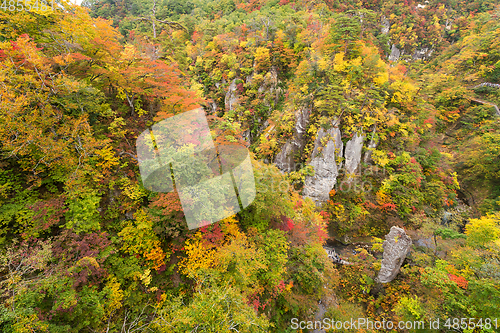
(396, 246)
(269, 89)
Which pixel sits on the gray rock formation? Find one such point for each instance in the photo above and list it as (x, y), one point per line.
(212, 107)
(269, 88)
(247, 136)
(395, 53)
(386, 25)
(446, 218)
(396, 246)
(328, 147)
(285, 158)
(352, 153)
(269, 96)
(325, 166)
(422, 54)
(270, 79)
(231, 99)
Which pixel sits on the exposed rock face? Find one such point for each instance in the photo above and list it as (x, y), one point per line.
(325, 166)
(247, 136)
(396, 246)
(426, 242)
(446, 218)
(395, 53)
(385, 25)
(352, 153)
(422, 54)
(231, 99)
(323, 159)
(212, 107)
(270, 80)
(270, 88)
(285, 158)
(269, 95)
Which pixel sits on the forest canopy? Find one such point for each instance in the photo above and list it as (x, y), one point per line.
(358, 116)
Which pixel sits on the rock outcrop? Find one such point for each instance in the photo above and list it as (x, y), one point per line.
(328, 147)
(269, 94)
(212, 108)
(395, 53)
(396, 246)
(324, 162)
(352, 153)
(422, 54)
(247, 136)
(231, 99)
(284, 160)
(370, 147)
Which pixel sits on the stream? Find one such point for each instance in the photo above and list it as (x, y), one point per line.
(344, 251)
(340, 251)
(347, 250)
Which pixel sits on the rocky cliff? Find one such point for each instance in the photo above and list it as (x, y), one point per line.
(325, 163)
(285, 159)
